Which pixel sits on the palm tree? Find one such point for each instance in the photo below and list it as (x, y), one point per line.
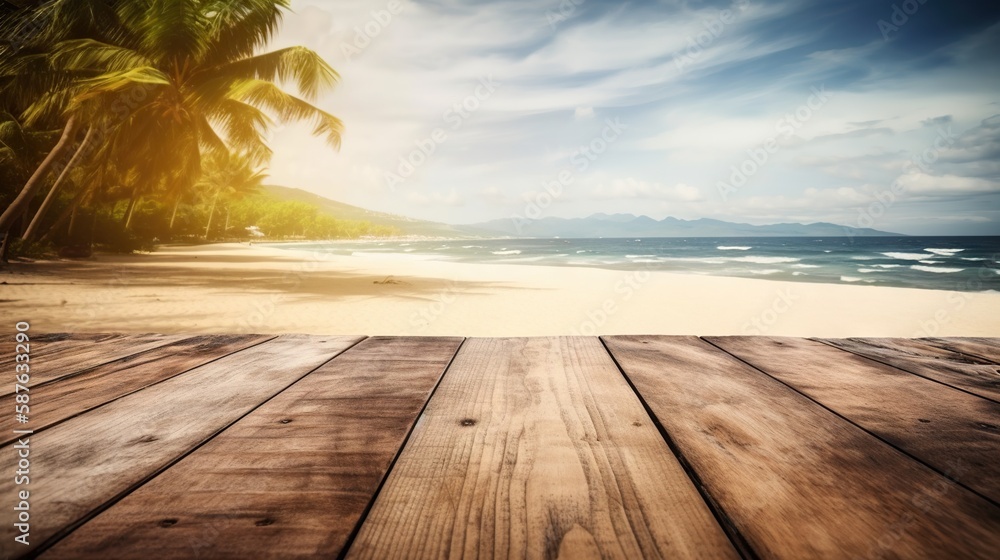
(179, 78)
(26, 77)
(229, 178)
(35, 226)
(21, 150)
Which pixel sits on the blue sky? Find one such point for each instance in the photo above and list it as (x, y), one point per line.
(863, 113)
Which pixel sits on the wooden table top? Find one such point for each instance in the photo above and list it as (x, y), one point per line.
(261, 446)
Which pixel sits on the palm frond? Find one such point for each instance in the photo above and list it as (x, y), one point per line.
(210, 140)
(240, 28)
(173, 31)
(116, 82)
(68, 19)
(306, 69)
(243, 126)
(289, 108)
(88, 54)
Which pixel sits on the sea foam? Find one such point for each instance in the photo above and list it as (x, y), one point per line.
(908, 256)
(937, 269)
(765, 260)
(944, 252)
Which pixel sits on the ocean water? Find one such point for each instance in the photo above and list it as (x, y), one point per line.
(939, 263)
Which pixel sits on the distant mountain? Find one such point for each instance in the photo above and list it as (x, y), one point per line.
(339, 210)
(629, 225)
(597, 225)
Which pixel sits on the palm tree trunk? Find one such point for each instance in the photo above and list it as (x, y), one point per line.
(65, 215)
(173, 215)
(5, 247)
(211, 213)
(8, 238)
(72, 221)
(225, 230)
(131, 212)
(20, 204)
(36, 222)
(131, 207)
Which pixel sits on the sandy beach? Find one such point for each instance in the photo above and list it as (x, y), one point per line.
(238, 288)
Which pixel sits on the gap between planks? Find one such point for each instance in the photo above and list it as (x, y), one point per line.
(536, 448)
(149, 431)
(290, 478)
(58, 400)
(798, 480)
(949, 430)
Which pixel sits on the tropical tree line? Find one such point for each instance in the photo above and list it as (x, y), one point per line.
(128, 121)
(283, 219)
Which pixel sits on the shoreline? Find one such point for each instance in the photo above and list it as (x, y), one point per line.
(233, 287)
(953, 270)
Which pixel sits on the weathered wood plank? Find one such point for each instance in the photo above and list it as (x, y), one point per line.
(91, 460)
(50, 344)
(79, 358)
(985, 348)
(976, 376)
(292, 478)
(930, 421)
(64, 398)
(796, 480)
(537, 448)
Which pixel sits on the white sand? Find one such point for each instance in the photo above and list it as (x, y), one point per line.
(236, 288)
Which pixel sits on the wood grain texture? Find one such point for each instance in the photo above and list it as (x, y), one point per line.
(930, 421)
(961, 371)
(292, 478)
(537, 448)
(66, 397)
(985, 348)
(795, 479)
(77, 358)
(89, 461)
(47, 344)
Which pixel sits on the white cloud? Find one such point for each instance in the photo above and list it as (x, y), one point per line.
(946, 185)
(687, 126)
